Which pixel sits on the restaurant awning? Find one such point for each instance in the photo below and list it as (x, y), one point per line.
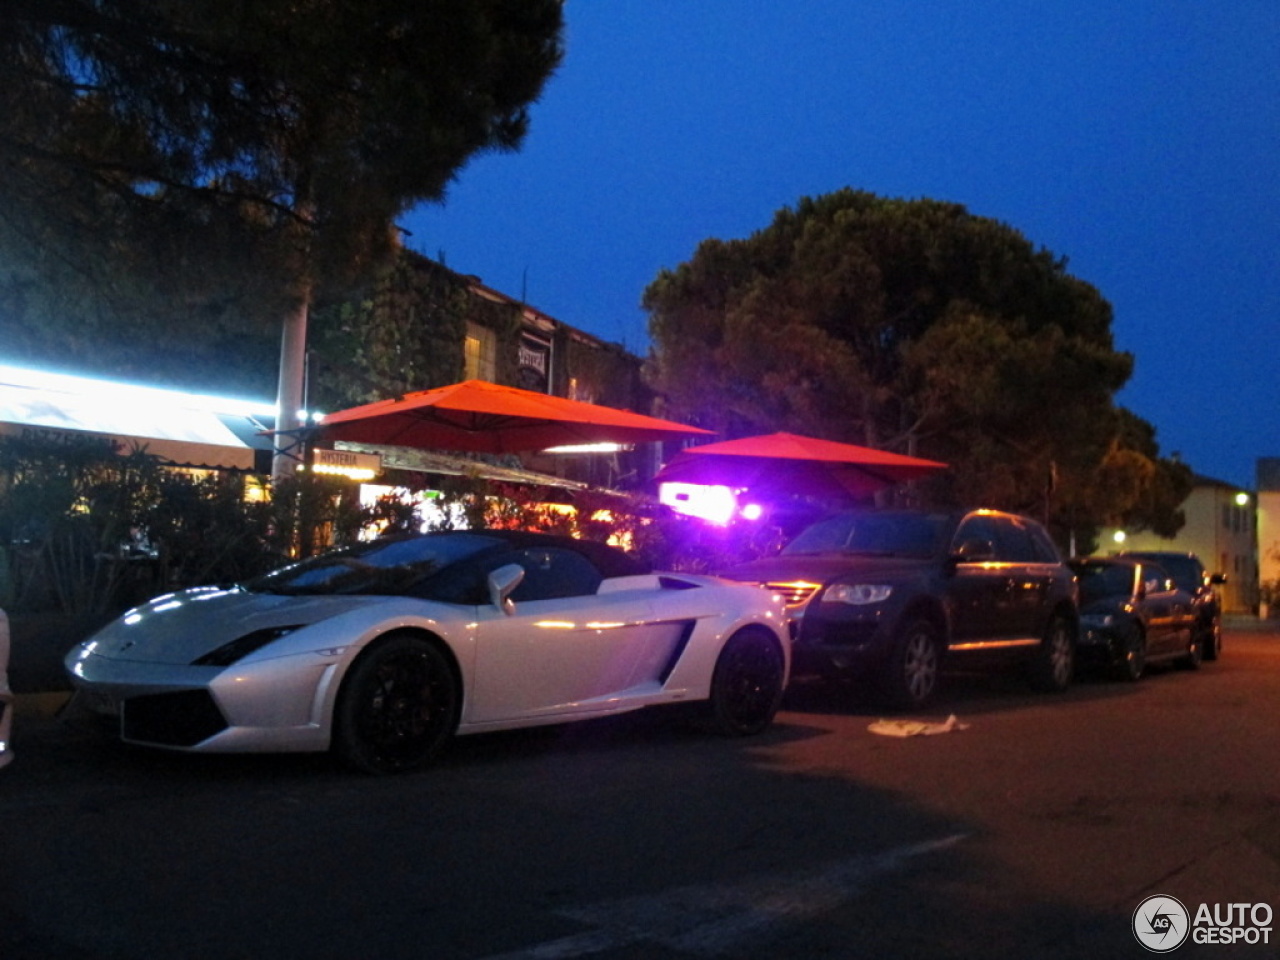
(179, 428)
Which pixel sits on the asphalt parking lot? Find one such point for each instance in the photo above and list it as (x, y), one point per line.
(1033, 832)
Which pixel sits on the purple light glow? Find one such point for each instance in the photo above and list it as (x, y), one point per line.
(715, 504)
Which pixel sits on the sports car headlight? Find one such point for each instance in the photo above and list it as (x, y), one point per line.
(241, 647)
(857, 594)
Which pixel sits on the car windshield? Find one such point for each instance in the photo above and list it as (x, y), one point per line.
(381, 567)
(876, 534)
(1098, 581)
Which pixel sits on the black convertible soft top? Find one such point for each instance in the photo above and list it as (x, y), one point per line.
(611, 561)
(404, 563)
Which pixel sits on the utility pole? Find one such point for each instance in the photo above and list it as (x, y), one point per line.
(291, 388)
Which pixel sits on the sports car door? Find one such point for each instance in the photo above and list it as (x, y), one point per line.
(555, 655)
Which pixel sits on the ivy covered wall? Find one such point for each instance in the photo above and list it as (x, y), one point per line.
(405, 330)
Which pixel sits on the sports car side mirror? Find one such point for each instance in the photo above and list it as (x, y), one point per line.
(502, 582)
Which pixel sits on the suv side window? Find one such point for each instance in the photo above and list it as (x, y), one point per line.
(980, 527)
(1156, 580)
(1046, 549)
(1018, 545)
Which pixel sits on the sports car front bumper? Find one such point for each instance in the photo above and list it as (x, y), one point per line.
(277, 704)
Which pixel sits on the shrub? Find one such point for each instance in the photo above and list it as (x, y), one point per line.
(87, 530)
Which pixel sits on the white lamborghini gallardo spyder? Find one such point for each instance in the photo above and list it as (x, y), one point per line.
(384, 650)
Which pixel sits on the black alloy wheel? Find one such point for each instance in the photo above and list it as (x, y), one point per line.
(1054, 663)
(1195, 652)
(398, 706)
(1132, 659)
(1211, 639)
(748, 683)
(914, 668)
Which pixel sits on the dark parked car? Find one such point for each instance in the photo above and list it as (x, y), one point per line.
(1132, 612)
(1191, 576)
(892, 596)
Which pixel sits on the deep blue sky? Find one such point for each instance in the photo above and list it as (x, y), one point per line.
(1137, 138)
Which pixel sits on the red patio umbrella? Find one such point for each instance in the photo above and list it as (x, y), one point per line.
(481, 417)
(788, 463)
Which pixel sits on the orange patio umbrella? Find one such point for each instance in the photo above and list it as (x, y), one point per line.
(789, 463)
(481, 417)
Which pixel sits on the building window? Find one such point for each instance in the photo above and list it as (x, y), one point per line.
(480, 354)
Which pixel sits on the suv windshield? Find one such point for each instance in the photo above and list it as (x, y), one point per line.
(874, 534)
(383, 567)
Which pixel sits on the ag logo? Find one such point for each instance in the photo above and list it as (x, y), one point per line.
(1161, 924)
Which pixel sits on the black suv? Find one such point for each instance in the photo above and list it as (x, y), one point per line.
(890, 595)
(1190, 575)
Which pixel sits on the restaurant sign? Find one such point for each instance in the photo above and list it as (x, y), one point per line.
(345, 463)
(534, 363)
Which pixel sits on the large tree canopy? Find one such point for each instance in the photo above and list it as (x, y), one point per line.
(154, 116)
(210, 160)
(915, 326)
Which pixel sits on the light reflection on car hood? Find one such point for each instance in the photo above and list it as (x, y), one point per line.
(178, 628)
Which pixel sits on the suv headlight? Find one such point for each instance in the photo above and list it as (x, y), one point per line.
(857, 594)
